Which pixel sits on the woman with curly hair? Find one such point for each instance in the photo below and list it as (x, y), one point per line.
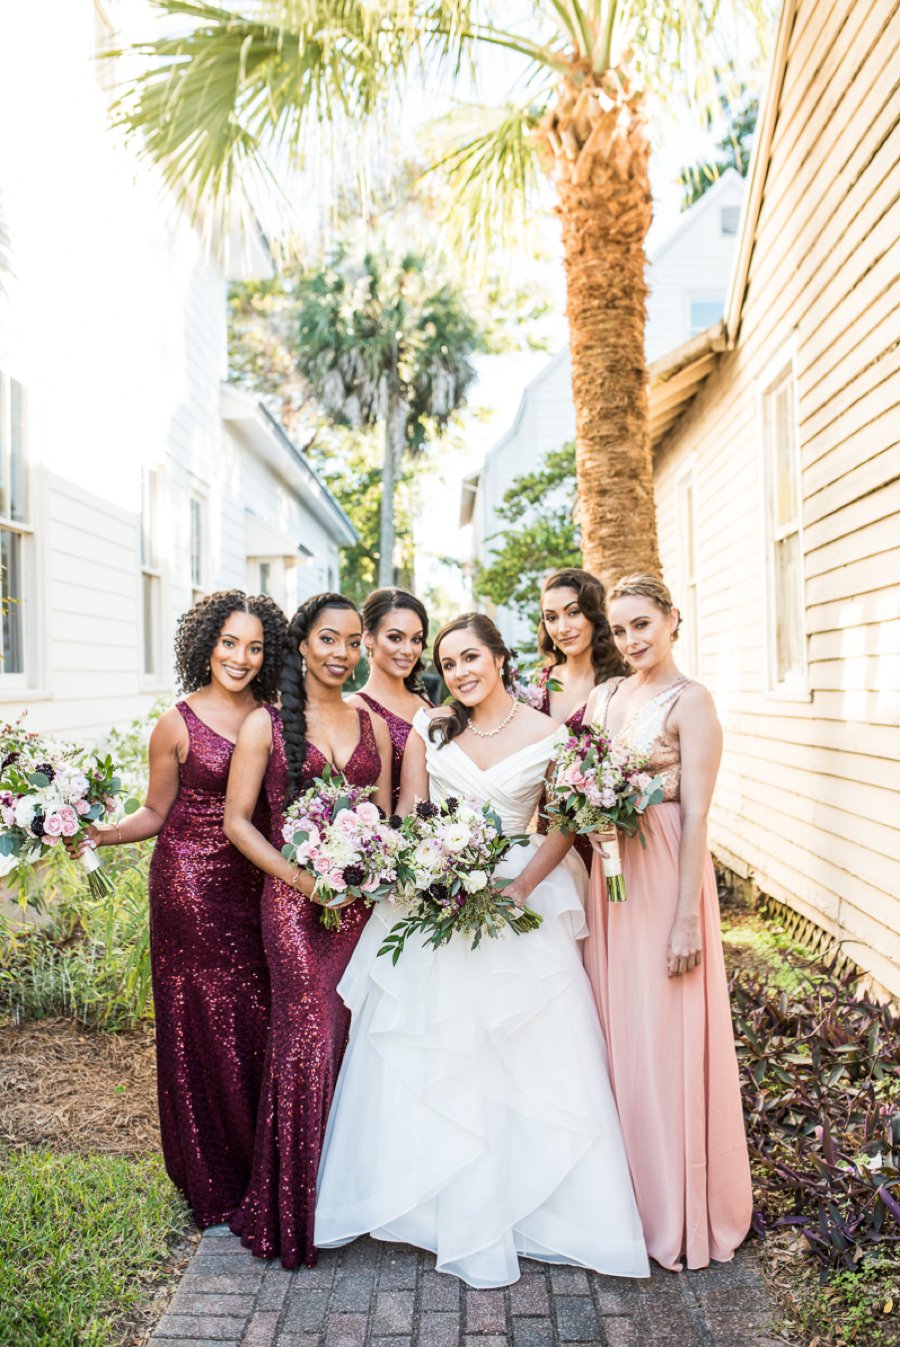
(282, 754)
(395, 633)
(580, 653)
(210, 981)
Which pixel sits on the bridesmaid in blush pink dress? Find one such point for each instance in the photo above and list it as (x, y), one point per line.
(395, 633)
(575, 639)
(309, 1022)
(655, 961)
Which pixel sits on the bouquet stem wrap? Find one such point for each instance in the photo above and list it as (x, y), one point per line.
(98, 882)
(612, 868)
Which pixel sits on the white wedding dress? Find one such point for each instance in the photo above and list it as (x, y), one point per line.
(473, 1114)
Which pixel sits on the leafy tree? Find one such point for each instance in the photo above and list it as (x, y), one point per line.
(224, 103)
(733, 148)
(540, 534)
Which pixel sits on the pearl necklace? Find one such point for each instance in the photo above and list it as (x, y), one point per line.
(489, 734)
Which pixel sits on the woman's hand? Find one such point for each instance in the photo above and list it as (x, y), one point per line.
(684, 950)
(89, 839)
(516, 892)
(597, 839)
(334, 907)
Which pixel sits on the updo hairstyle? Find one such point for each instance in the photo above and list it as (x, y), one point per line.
(198, 631)
(376, 608)
(605, 657)
(456, 717)
(293, 686)
(646, 587)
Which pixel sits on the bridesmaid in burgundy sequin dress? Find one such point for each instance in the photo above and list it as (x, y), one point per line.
(395, 632)
(310, 1024)
(574, 634)
(210, 981)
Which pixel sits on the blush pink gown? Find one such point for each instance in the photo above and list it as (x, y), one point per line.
(671, 1046)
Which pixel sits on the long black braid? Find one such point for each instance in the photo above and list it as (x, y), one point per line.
(293, 686)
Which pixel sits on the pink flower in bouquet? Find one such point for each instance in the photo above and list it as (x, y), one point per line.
(82, 807)
(643, 780)
(111, 803)
(53, 826)
(368, 812)
(69, 820)
(335, 880)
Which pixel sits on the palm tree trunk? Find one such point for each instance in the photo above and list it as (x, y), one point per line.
(596, 136)
(394, 415)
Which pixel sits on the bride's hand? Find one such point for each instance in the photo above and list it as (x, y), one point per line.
(684, 950)
(516, 892)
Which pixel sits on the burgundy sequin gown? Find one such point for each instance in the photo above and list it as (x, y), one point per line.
(210, 985)
(574, 722)
(398, 729)
(310, 1024)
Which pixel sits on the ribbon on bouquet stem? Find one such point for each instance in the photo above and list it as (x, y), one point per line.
(612, 866)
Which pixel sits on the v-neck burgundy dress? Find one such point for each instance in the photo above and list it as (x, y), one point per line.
(210, 984)
(310, 1025)
(398, 729)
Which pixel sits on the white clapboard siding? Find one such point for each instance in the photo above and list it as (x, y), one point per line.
(808, 804)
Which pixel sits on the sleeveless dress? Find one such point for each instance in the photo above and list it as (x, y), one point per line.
(398, 729)
(210, 985)
(473, 1115)
(671, 1044)
(309, 1029)
(582, 846)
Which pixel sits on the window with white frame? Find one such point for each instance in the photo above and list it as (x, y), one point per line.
(15, 529)
(198, 544)
(729, 219)
(784, 551)
(705, 312)
(151, 583)
(689, 652)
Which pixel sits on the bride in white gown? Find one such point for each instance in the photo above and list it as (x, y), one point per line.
(473, 1114)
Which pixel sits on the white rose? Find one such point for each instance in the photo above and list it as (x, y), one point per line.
(474, 882)
(25, 811)
(457, 837)
(427, 855)
(339, 849)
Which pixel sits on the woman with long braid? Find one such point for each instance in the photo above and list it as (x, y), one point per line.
(281, 754)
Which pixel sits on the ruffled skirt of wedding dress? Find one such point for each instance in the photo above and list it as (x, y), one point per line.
(473, 1115)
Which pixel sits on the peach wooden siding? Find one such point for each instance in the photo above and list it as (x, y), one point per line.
(808, 802)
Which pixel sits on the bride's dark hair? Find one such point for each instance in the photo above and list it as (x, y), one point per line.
(293, 686)
(456, 717)
(379, 605)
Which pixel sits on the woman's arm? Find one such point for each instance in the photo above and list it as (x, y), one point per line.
(382, 796)
(700, 736)
(169, 744)
(413, 774)
(248, 767)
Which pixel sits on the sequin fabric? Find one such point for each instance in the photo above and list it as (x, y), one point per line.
(644, 734)
(310, 1025)
(210, 985)
(398, 729)
(574, 723)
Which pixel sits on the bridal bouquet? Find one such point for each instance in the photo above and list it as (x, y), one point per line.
(335, 832)
(446, 876)
(529, 692)
(49, 793)
(598, 786)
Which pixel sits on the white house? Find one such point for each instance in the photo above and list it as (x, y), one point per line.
(131, 479)
(688, 278)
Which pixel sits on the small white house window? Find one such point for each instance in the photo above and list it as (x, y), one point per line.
(265, 577)
(784, 550)
(15, 530)
(689, 650)
(151, 584)
(198, 541)
(705, 312)
(729, 219)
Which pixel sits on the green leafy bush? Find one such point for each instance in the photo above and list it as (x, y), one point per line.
(83, 1239)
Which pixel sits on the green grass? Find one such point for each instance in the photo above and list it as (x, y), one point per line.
(756, 944)
(854, 1309)
(82, 1241)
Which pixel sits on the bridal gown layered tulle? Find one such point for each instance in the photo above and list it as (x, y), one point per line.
(473, 1114)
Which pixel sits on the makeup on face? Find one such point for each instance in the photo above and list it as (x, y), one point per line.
(238, 654)
(564, 621)
(642, 631)
(469, 669)
(333, 648)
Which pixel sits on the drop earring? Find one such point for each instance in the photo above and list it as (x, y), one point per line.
(302, 666)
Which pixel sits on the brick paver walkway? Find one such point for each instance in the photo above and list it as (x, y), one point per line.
(371, 1294)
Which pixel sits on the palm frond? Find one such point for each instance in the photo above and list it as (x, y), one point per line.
(488, 157)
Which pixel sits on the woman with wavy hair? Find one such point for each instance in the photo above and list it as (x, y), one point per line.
(656, 961)
(281, 753)
(395, 634)
(210, 981)
(473, 1115)
(580, 654)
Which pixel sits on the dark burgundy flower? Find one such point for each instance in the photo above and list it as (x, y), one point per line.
(427, 810)
(353, 875)
(8, 761)
(46, 770)
(37, 825)
(452, 803)
(438, 892)
(395, 820)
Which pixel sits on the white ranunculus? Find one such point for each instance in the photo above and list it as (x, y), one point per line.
(475, 881)
(25, 811)
(457, 837)
(339, 849)
(427, 855)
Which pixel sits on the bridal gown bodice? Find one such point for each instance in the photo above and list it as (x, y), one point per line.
(490, 1132)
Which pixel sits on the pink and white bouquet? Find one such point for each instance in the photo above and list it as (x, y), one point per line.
(527, 690)
(49, 793)
(446, 876)
(335, 833)
(599, 786)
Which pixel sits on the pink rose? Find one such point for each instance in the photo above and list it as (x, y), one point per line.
(368, 812)
(53, 826)
(82, 807)
(335, 880)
